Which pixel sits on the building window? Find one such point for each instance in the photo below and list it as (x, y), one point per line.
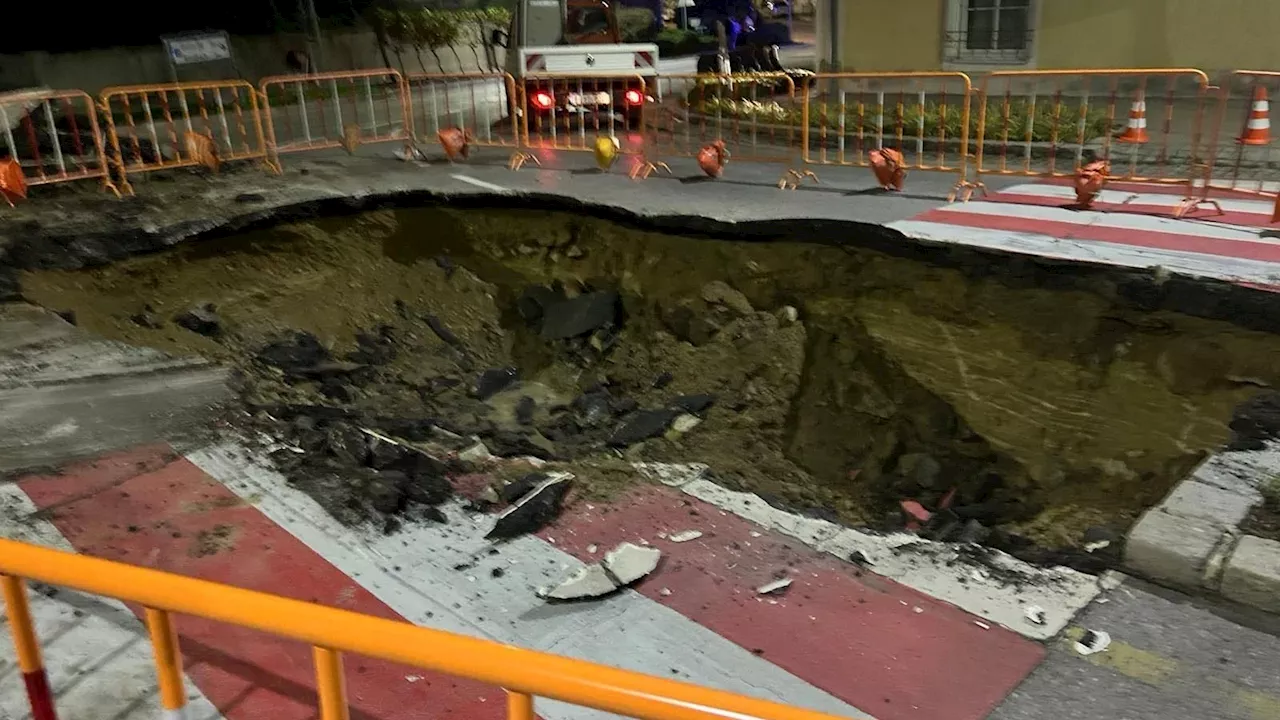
(990, 31)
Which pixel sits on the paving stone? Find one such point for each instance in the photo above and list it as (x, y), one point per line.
(1252, 576)
(1194, 499)
(1171, 548)
(1240, 471)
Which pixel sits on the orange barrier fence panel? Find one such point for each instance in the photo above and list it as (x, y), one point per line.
(333, 631)
(335, 110)
(925, 116)
(752, 117)
(1240, 139)
(53, 136)
(482, 106)
(581, 113)
(162, 127)
(1146, 123)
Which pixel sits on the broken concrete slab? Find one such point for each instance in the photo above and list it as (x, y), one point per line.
(584, 583)
(533, 511)
(629, 562)
(685, 536)
(774, 586)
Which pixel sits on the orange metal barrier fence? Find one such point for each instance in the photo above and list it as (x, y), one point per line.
(53, 137)
(482, 106)
(162, 127)
(330, 631)
(925, 116)
(1240, 140)
(755, 117)
(335, 109)
(1146, 123)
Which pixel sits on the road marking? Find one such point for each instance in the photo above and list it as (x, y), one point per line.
(442, 576)
(1141, 665)
(1232, 269)
(480, 183)
(95, 650)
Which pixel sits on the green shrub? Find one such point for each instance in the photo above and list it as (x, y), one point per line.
(675, 42)
(937, 118)
(635, 24)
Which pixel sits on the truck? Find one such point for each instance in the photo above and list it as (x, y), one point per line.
(579, 39)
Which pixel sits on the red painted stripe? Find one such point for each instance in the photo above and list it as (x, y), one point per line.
(1268, 252)
(39, 695)
(856, 635)
(152, 508)
(1165, 189)
(1230, 217)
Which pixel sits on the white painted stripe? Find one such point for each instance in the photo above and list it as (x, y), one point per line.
(96, 651)
(1259, 124)
(1112, 220)
(1120, 197)
(1261, 106)
(1212, 266)
(930, 568)
(480, 183)
(1139, 123)
(627, 630)
(1140, 106)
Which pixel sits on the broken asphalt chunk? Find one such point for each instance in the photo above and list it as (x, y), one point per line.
(297, 352)
(694, 404)
(493, 381)
(442, 332)
(533, 511)
(580, 315)
(629, 562)
(642, 426)
(201, 319)
(520, 487)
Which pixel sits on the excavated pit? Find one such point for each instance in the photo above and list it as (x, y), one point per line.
(843, 381)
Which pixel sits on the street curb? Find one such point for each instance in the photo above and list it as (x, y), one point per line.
(1192, 539)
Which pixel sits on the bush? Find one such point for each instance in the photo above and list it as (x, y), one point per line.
(936, 120)
(674, 42)
(636, 24)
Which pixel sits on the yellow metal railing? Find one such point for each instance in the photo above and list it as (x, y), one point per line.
(524, 674)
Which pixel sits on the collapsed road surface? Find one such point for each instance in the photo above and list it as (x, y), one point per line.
(1029, 410)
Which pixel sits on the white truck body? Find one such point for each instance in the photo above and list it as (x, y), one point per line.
(620, 59)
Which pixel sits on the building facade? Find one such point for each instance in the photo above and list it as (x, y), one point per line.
(982, 35)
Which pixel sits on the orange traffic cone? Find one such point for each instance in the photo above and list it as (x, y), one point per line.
(1257, 129)
(1137, 130)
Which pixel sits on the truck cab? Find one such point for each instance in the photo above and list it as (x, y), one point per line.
(568, 59)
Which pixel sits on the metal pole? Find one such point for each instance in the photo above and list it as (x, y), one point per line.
(313, 21)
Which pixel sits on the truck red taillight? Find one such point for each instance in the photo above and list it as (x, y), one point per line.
(634, 97)
(542, 99)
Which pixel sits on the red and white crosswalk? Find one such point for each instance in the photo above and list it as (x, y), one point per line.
(842, 639)
(1131, 224)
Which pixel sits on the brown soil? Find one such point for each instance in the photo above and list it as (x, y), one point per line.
(845, 381)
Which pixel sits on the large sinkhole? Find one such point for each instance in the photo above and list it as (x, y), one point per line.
(841, 381)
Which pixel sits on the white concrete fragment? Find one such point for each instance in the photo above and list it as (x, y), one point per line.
(477, 453)
(587, 582)
(684, 423)
(685, 536)
(751, 507)
(673, 474)
(628, 562)
(775, 586)
(1094, 641)
(1035, 615)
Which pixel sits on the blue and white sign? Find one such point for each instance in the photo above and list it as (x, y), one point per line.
(198, 48)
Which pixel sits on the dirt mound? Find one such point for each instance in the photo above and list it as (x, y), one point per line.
(831, 381)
